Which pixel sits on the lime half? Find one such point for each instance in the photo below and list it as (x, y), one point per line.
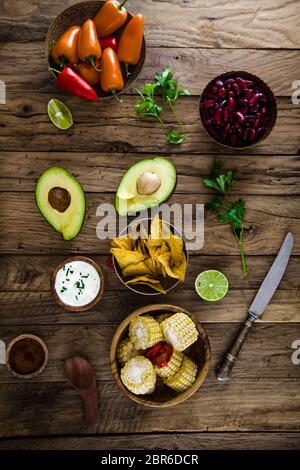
(59, 114)
(211, 285)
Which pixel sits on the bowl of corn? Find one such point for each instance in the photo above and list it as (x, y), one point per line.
(160, 355)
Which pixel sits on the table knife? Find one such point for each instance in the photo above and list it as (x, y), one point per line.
(258, 306)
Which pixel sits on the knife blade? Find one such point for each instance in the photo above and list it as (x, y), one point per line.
(259, 304)
(273, 278)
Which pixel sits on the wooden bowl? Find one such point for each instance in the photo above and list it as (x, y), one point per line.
(163, 396)
(266, 90)
(78, 14)
(10, 346)
(91, 304)
(168, 283)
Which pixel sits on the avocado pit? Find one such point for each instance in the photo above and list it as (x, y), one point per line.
(148, 183)
(59, 199)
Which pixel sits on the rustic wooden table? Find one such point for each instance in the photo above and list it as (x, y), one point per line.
(260, 407)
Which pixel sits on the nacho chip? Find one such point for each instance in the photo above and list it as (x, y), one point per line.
(180, 270)
(175, 244)
(126, 257)
(124, 242)
(138, 269)
(145, 280)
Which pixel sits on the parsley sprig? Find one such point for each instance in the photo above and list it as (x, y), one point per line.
(233, 214)
(168, 89)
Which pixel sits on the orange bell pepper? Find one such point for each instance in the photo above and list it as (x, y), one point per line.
(65, 49)
(88, 72)
(89, 48)
(131, 41)
(110, 17)
(111, 79)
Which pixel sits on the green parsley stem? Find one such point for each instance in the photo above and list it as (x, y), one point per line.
(239, 240)
(175, 114)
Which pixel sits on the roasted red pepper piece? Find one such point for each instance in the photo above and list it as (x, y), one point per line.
(109, 41)
(70, 82)
(160, 354)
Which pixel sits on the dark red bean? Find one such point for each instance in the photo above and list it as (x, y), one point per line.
(225, 115)
(229, 82)
(260, 132)
(214, 90)
(218, 115)
(246, 134)
(249, 82)
(264, 110)
(253, 100)
(219, 82)
(207, 122)
(243, 102)
(222, 92)
(223, 103)
(258, 123)
(227, 127)
(231, 94)
(233, 139)
(208, 103)
(231, 103)
(241, 82)
(252, 134)
(249, 118)
(244, 109)
(236, 89)
(240, 117)
(249, 93)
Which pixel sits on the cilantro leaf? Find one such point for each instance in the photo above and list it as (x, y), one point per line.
(234, 215)
(175, 137)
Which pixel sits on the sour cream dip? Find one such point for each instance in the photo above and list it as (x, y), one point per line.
(77, 283)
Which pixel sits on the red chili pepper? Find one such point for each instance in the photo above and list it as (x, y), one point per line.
(160, 354)
(109, 41)
(70, 82)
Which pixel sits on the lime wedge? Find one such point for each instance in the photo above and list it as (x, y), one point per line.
(211, 285)
(59, 114)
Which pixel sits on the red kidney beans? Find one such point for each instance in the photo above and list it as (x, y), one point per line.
(235, 111)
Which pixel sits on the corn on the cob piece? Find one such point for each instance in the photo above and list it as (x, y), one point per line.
(172, 367)
(180, 331)
(144, 332)
(138, 375)
(185, 377)
(163, 317)
(126, 351)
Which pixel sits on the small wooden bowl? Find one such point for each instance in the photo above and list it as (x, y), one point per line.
(266, 90)
(38, 340)
(168, 283)
(163, 396)
(91, 304)
(77, 15)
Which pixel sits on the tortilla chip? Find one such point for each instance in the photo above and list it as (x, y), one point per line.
(138, 269)
(175, 244)
(145, 280)
(122, 242)
(180, 270)
(150, 265)
(155, 229)
(126, 257)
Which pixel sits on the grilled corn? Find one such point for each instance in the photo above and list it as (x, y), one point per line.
(138, 375)
(163, 317)
(185, 377)
(144, 332)
(180, 331)
(172, 367)
(126, 351)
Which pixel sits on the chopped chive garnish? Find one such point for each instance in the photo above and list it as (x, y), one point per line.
(68, 271)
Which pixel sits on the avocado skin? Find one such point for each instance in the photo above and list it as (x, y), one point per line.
(41, 193)
(164, 199)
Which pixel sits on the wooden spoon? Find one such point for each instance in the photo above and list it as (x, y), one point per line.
(81, 376)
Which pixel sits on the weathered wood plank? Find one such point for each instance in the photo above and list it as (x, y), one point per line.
(262, 395)
(100, 173)
(193, 68)
(30, 273)
(39, 308)
(268, 219)
(111, 127)
(174, 441)
(210, 23)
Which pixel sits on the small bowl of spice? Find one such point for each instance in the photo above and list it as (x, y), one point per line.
(77, 284)
(238, 109)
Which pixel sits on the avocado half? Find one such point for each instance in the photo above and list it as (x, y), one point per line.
(61, 200)
(128, 199)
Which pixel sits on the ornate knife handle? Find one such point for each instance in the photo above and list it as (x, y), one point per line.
(226, 367)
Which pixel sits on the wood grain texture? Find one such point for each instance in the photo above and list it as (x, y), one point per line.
(267, 388)
(213, 23)
(31, 273)
(113, 127)
(193, 68)
(154, 441)
(101, 173)
(267, 221)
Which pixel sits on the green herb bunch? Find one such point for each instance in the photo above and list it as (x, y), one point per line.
(168, 89)
(232, 214)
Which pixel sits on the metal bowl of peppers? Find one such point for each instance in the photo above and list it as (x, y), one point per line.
(238, 109)
(72, 49)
